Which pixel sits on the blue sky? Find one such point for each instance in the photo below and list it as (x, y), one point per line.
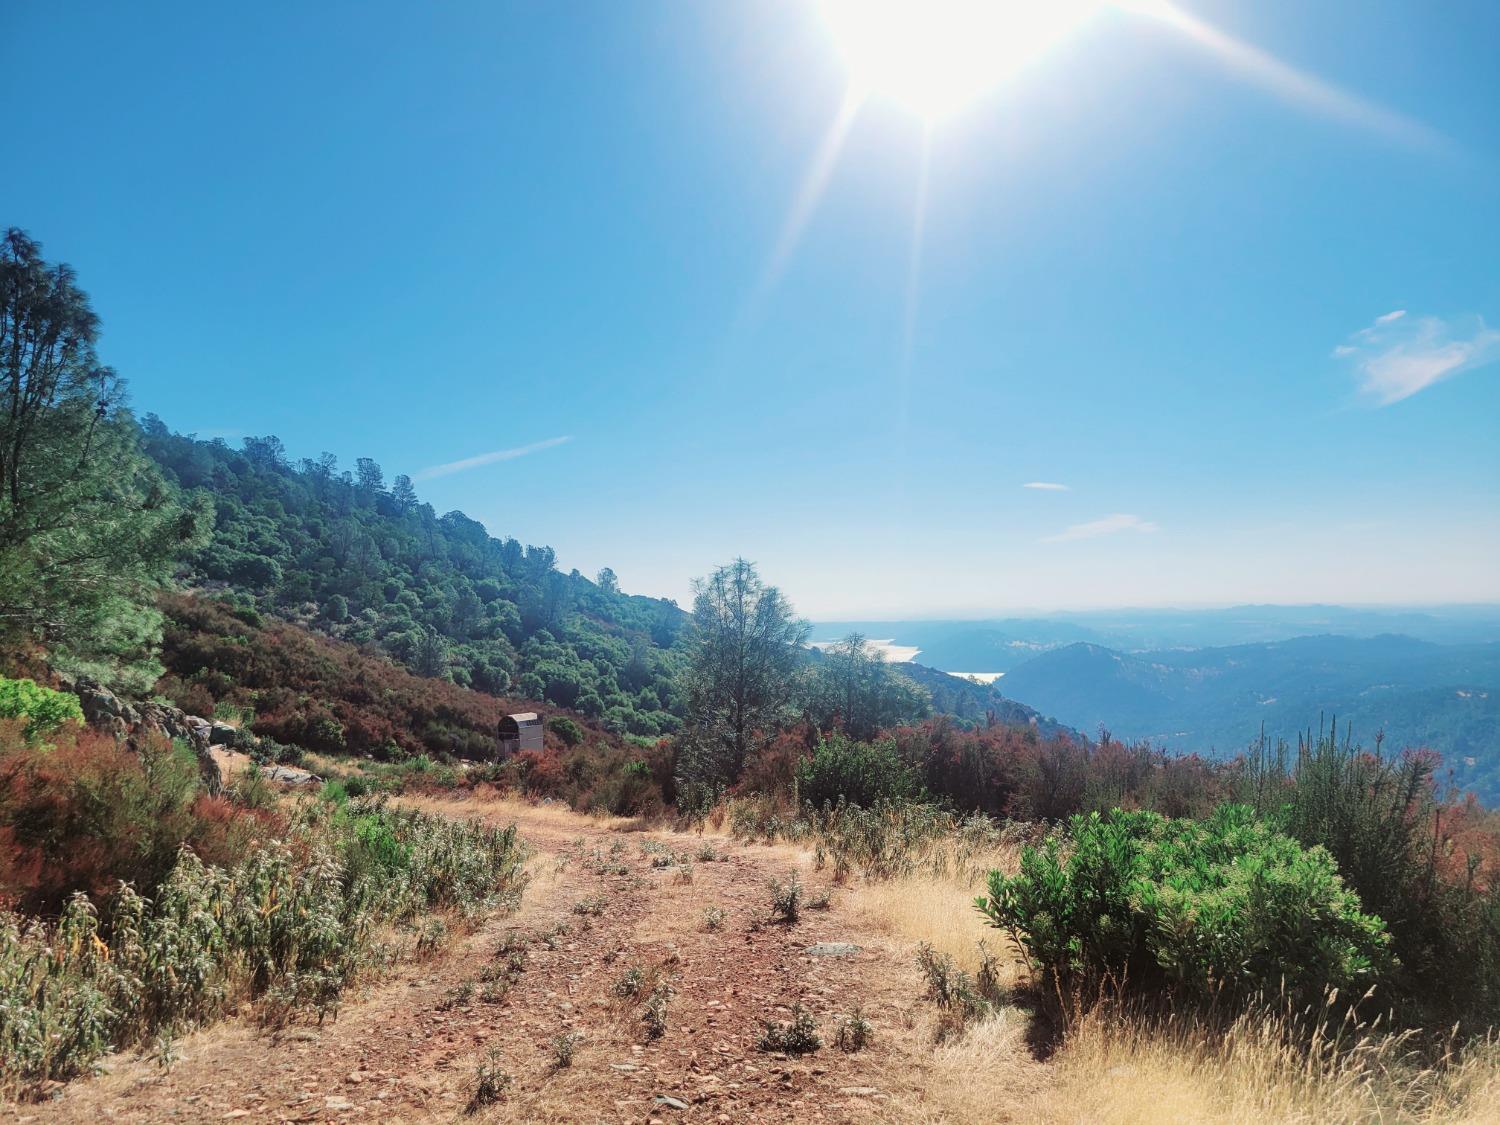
(1157, 268)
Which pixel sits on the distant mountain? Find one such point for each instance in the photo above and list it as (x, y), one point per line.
(1444, 697)
(999, 644)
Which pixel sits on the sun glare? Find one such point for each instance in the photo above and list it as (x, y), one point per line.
(936, 56)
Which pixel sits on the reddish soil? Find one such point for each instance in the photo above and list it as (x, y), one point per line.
(410, 1047)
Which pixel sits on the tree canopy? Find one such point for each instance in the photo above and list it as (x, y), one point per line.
(88, 527)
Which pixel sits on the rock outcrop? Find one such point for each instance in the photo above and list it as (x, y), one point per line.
(106, 711)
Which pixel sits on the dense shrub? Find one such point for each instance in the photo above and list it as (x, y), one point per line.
(42, 709)
(566, 729)
(1014, 771)
(1226, 905)
(859, 773)
(1427, 866)
(292, 923)
(82, 813)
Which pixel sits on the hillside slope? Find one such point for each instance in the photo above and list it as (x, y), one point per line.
(349, 556)
(974, 702)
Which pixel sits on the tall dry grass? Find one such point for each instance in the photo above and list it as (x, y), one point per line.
(1121, 1066)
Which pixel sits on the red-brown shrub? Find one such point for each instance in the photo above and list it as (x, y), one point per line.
(82, 813)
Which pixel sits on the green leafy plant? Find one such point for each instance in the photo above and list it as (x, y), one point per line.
(42, 709)
(491, 1082)
(564, 1047)
(1229, 904)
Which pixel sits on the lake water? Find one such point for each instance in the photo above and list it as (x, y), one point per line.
(896, 654)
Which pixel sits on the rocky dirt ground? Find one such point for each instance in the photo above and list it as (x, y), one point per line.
(599, 904)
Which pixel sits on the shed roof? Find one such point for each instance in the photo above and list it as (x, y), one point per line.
(523, 716)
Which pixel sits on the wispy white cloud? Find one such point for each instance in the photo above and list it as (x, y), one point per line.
(1109, 525)
(488, 458)
(1046, 486)
(1399, 355)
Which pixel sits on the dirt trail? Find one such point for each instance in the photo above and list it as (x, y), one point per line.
(408, 1049)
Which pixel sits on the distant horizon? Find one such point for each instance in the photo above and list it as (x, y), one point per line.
(1178, 607)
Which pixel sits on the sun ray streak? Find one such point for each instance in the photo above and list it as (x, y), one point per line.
(913, 284)
(809, 192)
(1287, 81)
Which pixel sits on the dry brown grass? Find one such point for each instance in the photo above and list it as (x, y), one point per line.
(1123, 1069)
(939, 910)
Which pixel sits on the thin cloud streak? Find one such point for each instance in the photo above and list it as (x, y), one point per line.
(1109, 525)
(1399, 355)
(1046, 486)
(488, 458)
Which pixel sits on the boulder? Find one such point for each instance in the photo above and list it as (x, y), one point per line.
(104, 710)
(222, 734)
(291, 775)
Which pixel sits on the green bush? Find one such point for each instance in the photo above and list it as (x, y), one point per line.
(566, 729)
(43, 709)
(859, 773)
(1227, 904)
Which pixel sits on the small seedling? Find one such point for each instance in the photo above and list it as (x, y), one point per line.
(629, 986)
(491, 1082)
(799, 1037)
(854, 1031)
(457, 996)
(655, 1014)
(786, 899)
(564, 1047)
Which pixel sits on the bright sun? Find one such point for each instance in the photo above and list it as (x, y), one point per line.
(936, 56)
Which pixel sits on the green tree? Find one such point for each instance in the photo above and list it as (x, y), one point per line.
(861, 773)
(856, 688)
(88, 527)
(403, 494)
(746, 649)
(608, 582)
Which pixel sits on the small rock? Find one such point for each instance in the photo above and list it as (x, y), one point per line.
(858, 1091)
(670, 1102)
(832, 949)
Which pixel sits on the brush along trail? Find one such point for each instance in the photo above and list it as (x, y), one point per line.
(618, 930)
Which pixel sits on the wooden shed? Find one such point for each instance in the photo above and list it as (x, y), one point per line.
(522, 731)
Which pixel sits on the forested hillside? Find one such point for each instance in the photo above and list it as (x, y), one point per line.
(367, 562)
